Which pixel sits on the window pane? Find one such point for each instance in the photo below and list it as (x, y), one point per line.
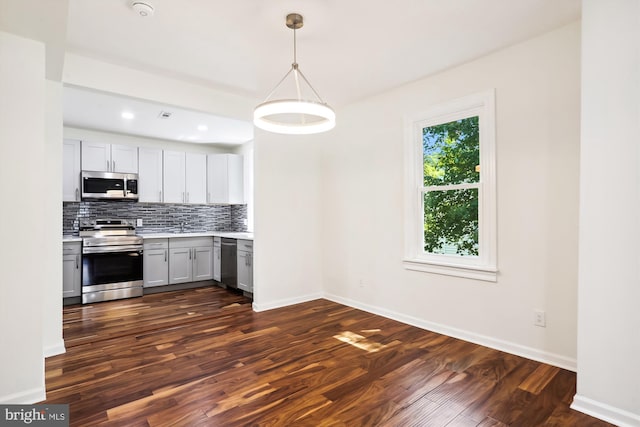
(451, 152)
(451, 222)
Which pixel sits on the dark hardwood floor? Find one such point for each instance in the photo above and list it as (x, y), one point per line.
(202, 357)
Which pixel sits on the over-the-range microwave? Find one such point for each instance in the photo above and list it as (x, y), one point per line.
(109, 185)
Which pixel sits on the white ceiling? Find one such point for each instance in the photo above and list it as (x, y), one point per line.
(348, 49)
(98, 110)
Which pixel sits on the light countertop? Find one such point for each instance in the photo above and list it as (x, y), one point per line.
(242, 235)
(230, 234)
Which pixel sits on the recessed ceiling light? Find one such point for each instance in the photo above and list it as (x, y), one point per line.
(202, 128)
(127, 115)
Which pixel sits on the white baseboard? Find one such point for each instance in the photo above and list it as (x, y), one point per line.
(54, 350)
(270, 305)
(26, 397)
(506, 346)
(605, 412)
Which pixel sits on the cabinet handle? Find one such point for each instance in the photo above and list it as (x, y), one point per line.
(187, 197)
(160, 196)
(114, 165)
(107, 165)
(77, 194)
(189, 253)
(165, 255)
(77, 262)
(183, 197)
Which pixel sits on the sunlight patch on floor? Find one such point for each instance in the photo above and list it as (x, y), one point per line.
(359, 341)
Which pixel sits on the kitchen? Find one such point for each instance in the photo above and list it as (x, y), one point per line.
(185, 207)
(329, 218)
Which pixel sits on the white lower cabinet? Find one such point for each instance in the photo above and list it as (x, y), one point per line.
(156, 263)
(203, 263)
(245, 265)
(180, 265)
(190, 259)
(71, 264)
(217, 259)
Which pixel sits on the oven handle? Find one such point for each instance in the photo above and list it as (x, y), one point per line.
(112, 249)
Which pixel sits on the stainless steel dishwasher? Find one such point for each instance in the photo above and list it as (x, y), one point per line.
(229, 266)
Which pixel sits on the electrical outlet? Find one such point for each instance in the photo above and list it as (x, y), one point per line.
(139, 222)
(539, 318)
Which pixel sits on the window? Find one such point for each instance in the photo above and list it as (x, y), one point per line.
(450, 201)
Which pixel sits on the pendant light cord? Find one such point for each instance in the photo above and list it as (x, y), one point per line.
(295, 67)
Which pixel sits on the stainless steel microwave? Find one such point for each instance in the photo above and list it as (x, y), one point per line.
(109, 185)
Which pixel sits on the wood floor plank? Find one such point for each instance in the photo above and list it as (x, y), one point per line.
(202, 357)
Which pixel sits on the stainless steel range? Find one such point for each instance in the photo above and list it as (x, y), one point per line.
(111, 260)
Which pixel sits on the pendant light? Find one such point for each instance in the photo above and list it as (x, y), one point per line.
(294, 116)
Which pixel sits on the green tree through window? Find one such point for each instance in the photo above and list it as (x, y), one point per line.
(451, 171)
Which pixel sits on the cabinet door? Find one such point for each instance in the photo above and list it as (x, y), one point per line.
(244, 277)
(150, 175)
(96, 156)
(203, 263)
(71, 170)
(156, 267)
(217, 178)
(71, 275)
(225, 178)
(235, 176)
(180, 265)
(217, 252)
(124, 158)
(196, 178)
(174, 177)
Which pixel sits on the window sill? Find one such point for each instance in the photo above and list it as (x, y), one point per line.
(487, 274)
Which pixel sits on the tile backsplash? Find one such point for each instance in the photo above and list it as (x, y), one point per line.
(157, 217)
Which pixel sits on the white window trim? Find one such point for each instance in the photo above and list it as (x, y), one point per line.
(483, 267)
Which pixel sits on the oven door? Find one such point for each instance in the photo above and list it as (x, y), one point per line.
(109, 273)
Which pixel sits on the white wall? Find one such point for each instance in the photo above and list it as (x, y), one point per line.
(287, 246)
(537, 112)
(51, 244)
(22, 150)
(609, 267)
(103, 76)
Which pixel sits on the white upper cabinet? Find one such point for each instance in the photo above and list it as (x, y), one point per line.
(124, 158)
(99, 156)
(174, 177)
(71, 170)
(225, 179)
(196, 178)
(150, 174)
(96, 156)
(185, 177)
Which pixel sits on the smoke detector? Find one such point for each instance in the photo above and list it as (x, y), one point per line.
(142, 8)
